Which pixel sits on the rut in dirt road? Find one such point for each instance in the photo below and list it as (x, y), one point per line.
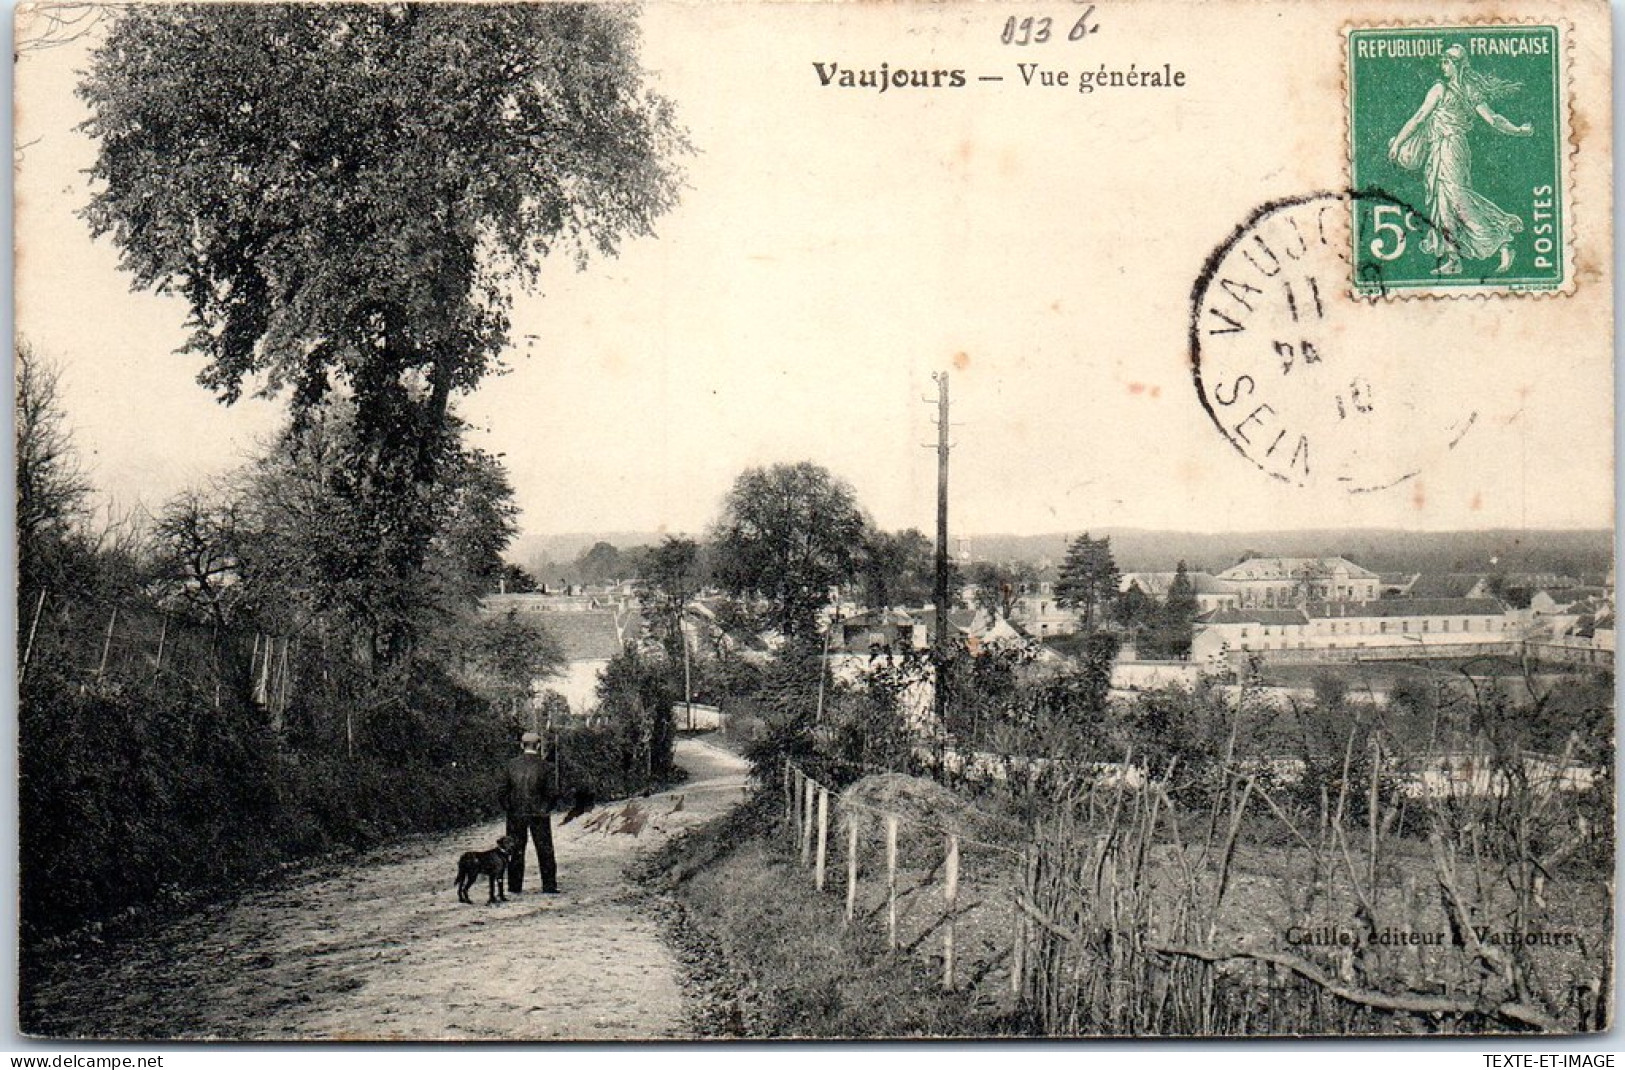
(384, 951)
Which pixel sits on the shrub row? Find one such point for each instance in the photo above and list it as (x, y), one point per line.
(137, 794)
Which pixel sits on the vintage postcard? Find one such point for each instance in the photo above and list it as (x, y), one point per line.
(1032, 519)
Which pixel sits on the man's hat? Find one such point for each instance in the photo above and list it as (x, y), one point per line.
(530, 737)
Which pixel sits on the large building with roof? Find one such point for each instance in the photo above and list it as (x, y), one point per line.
(1387, 628)
(1273, 582)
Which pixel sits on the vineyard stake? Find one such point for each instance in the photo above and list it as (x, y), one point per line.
(950, 898)
(891, 881)
(851, 864)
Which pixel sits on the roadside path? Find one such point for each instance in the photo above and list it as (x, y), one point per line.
(384, 951)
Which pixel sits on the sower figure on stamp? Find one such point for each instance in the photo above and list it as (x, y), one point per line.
(1466, 223)
(529, 790)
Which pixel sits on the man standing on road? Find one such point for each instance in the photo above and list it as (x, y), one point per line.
(527, 796)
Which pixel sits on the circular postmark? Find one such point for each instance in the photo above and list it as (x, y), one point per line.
(1316, 388)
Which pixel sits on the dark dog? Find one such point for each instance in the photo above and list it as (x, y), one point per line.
(492, 865)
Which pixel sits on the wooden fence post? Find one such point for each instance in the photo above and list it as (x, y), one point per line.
(28, 650)
(262, 691)
(851, 864)
(809, 786)
(789, 805)
(950, 899)
(891, 881)
(107, 645)
(282, 691)
(163, 633)
(1018, 945)
(795, 806)
(278, 698)
(823, 838)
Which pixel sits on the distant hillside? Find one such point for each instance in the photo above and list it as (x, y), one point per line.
(1137, 550)
(566, 547)
(1140, 550)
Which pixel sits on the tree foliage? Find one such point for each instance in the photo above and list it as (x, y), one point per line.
(479, 520)
(346, 191)
(286, 547)
(1165, 628)
(636, 701)
(999, 586)
(671, 575)
(788, 535)
(600, 563)
(1135, 610)
(500, 656)
(1179, 615)
(202, 553)
(516, 579)
(345, 195)
(53, 493)
(899, 569)
(1088, 577)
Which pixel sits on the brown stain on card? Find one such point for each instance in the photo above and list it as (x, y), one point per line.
(961, 361)
(1579, 127)
(1586, 269)
(1478, 501)
(1419, 496)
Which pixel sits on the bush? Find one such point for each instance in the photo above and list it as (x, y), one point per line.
(635, 700)
(131, 792)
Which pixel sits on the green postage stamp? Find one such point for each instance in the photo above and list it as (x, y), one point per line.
(1457, 162)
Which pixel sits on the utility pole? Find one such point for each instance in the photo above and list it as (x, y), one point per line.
(941, 595)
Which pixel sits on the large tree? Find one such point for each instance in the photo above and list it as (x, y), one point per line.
(347, 194)
(1179, 615)
(201, 554)
(1169, 626)
(789, 534)
(1088, 578)
(999, 586)
(671, 578)
(899, 569)
(289, 543)
(600, 563)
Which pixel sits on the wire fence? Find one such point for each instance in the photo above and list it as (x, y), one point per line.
(928, 882)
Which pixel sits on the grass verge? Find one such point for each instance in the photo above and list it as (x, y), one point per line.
(770, 958)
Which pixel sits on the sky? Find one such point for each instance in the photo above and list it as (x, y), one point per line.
(833, 248)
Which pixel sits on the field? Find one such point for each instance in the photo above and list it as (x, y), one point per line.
(1133, 911)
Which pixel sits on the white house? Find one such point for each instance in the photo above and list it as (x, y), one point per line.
(1391, 627)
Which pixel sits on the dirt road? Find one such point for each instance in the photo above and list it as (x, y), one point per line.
(383, 950)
